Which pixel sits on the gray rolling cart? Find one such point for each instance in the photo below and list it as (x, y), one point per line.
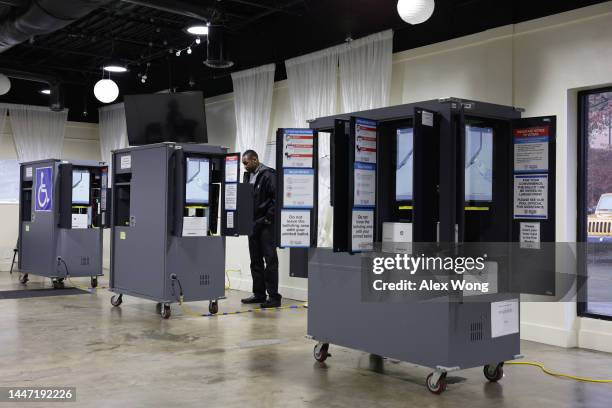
(62, 212)
(412, 165)
(167, 244)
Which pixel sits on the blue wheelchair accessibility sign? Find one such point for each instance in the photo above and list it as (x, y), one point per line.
(44, 189)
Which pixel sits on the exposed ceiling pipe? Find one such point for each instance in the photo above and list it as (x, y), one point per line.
(267, 13)
(44, 17)
(56, 102)
(264, 6)
(13, 3)
(173, 7)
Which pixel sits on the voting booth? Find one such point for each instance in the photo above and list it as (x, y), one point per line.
(173, 205)
(63, 208)
(462, 177)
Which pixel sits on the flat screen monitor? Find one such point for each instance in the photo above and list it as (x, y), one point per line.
(404, 160)
(478, 163)
(198, 181)
(175, 117)
(80, 186)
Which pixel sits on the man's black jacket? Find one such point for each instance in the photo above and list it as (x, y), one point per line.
(264, 195)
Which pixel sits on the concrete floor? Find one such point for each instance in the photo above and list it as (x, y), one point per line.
(130, 357)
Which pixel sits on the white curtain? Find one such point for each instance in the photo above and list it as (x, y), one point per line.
(253, 105)
(313, 81)
(313, 84)
(112, 130)
(38, 132)
(365, 72)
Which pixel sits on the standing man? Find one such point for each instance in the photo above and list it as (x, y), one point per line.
(262, 245)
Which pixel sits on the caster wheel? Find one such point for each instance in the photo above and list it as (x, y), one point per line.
(158, 307)
(437, 388)
(165, 312)
(213, 307)
(116, 300)
(94, 281)
(320, 352)
(58, 283)
(24, 279)
(494, 373)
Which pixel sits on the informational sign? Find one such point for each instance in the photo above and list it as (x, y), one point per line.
(44, 189)
(230, 220)
(365, 141)
(298, 148)
(362, 230)
(79, 221)
(298, 188)
(427, 118)
(295, 229)
(529, 236)
(504, 318)
(530, 232)
(28, 172)
(125, 162)
(365, 185)
(232, 164)
(195, 226)
(531, 196)
(231, 195)
(531, 149)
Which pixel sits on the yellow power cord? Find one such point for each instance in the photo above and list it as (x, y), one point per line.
(555, 374)
(84, 287)
(188, 311)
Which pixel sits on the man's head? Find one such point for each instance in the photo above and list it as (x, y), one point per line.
(250, 160)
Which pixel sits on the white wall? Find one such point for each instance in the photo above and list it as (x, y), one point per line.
(537, 65)
(81, 141)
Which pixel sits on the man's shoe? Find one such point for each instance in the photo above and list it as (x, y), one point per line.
(271, 303)
(253, 299)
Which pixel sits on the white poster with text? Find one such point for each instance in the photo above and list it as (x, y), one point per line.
(504, 318)
(365, 141)
(232, 165)
(298, 148)
(362, 230)
(531, 149)
(364, 185)
(298, 188)
(531, 196)
(231, 196)
(295, 229)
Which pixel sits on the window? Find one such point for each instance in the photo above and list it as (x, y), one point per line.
(595, 200)
(9, 181)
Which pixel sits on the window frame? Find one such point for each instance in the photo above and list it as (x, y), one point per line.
(581, 209)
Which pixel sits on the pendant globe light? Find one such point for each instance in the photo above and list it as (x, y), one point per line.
(106, 90)
(5, 84)
(415, 11)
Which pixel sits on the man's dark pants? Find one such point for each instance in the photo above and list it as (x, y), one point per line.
(262, 247)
